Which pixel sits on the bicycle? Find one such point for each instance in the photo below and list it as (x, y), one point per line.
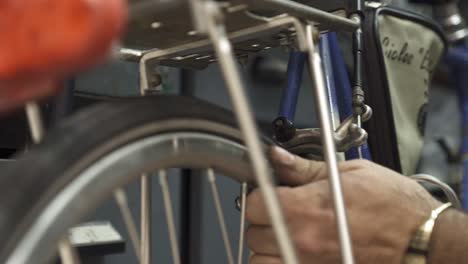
(150, 134)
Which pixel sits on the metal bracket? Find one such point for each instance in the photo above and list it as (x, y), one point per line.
(347, 135)
(222, 43)
(203, 48)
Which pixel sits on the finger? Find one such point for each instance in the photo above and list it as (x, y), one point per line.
(263, 259)
(256, 213)
(262, 240)
(294, 170)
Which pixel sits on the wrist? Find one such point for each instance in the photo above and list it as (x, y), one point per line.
(419, 244)
(414, 217)
(449, 239)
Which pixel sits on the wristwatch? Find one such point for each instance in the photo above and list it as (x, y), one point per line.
(419, 245)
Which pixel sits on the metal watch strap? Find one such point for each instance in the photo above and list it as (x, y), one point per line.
(419, 245)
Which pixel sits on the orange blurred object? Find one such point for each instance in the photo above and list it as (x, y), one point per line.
(44, 41)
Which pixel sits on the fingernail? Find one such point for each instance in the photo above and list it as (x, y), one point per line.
(282, 156)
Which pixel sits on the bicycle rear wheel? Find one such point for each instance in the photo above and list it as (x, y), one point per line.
(82, 161)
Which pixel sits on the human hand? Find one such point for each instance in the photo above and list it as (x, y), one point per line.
(384, 210)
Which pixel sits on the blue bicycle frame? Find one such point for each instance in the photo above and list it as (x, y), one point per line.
(337, 81)
(290, 96)
(339, 85)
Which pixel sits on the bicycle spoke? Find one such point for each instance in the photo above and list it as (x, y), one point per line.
(36, 126)
(145, 219)
(224, 52)
(329, 147)
(243, 197)
(122, 201)
(359, 123)
(169, 216)
(220, 214)
(67, 252)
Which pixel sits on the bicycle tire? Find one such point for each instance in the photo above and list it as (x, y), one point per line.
(37, 177)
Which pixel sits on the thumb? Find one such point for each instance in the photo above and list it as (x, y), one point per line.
(293, 170)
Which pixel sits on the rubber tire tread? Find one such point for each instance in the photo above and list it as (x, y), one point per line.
(37, 172)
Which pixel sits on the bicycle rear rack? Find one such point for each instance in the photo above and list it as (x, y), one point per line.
(173, 42)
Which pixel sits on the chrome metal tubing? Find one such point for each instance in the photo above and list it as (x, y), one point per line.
(205, 45)
(122, 202)
(196, 8)
(329, 147)
(171, 225)
(243, 198)
(220, 214)
(146, 225)
(327, 20)
(36, 125)
(223, 49)
(145, 206)
(67, 253)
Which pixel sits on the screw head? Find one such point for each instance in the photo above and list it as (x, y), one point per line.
(237, 203)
